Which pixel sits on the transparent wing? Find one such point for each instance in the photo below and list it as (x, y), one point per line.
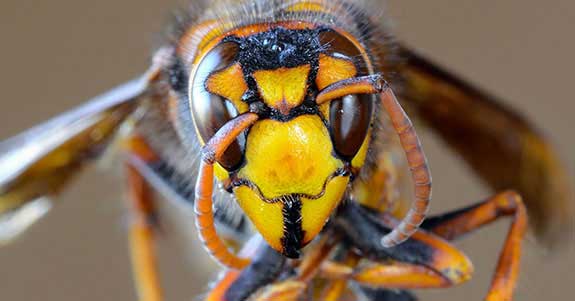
(38, 163)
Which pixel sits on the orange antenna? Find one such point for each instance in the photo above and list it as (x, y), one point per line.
(418, 166)
(409, 141)
(211, 152)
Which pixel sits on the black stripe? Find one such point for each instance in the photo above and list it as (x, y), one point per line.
(293, 232)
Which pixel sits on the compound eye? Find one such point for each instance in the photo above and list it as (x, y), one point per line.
(350, 118)
(341, 47)
(210, 112)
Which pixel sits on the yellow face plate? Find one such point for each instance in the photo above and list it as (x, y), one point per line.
(290, 161)
(289, 157)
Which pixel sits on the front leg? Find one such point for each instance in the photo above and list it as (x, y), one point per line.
(454, 224)
(338, 276)
(423, 261)
(364, 227)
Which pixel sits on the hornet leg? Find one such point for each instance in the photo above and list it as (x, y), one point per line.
(423, 261)
(142, 237)
(454, 224)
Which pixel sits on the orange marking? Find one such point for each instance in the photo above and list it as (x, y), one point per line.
(215, 31)
(258, 28)
(194, 40)
(307, 7)
(331, 8)
(283, 88)
(230, 84)
(332, 70)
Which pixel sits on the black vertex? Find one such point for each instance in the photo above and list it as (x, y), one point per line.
(278, 47)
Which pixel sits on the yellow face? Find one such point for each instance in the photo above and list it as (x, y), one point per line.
(298, 159)
(291, 180)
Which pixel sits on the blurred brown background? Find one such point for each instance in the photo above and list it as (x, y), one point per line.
(55, 54)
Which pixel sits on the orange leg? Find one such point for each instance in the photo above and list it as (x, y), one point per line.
(338, 277)
(311, 263)
(426, 260)
(383, 281)
(443, 266)
(334, 290)
(446, 268)
(398, 275)
(509, 203)
(142, 237)
(423, 261)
